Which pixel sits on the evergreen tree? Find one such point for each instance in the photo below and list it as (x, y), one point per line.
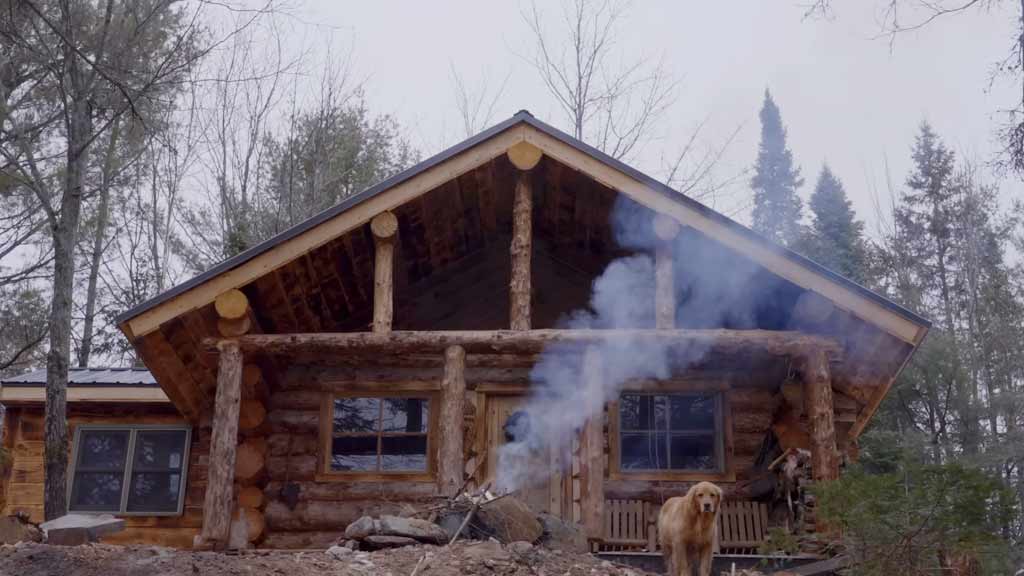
(835, 238)
(777, 207)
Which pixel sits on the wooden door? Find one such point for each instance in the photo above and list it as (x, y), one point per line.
(547, 494)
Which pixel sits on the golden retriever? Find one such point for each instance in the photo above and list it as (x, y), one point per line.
(688, 530)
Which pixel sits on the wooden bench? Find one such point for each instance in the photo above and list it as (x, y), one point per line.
(632, 525)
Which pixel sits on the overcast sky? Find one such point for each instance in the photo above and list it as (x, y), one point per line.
(846, 98)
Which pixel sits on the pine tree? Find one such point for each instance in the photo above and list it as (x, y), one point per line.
(835, 238)
(776, 213)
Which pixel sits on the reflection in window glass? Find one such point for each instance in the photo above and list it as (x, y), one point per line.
(155, 471)
(668, 432)
(380, 435)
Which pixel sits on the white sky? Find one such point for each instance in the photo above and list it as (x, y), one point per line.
(845, 97)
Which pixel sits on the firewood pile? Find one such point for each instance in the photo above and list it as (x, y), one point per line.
(476, 515)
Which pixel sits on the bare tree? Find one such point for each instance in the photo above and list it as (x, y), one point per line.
(476, 107)
(75, 69)
(613, 107)
(900, 16)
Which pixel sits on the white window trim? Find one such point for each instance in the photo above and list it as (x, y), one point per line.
(125, 483)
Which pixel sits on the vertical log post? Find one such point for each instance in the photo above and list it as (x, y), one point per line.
(592, 452)
(523, 156)
(384, 227)
(218, 502)
(820, 412)
(666, 229)
(453, 399)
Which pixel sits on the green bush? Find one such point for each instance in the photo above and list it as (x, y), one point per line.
(909, 518)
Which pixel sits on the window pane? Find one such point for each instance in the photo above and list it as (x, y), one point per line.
(154, 492)
(404, 453)
(692, 412)
(642, 412)
(693, 452)
(102, 449)
(405, 415)
(354, 453)
(643, 451)
(159, 450)
(356, 414)
(96, 491)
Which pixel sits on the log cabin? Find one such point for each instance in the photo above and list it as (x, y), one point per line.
(378, 356)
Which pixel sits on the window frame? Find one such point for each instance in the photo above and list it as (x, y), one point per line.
(324, 471)
(722, 437)
(133, 430)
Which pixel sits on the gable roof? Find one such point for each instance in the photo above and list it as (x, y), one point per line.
(88, 377)
(236, 271)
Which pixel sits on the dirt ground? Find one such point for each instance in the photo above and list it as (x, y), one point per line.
(463, 558)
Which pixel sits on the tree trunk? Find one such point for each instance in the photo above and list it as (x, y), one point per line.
(102, 217)
(65, 234)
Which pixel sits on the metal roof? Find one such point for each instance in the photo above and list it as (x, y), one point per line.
(523, 116)
(86, 377)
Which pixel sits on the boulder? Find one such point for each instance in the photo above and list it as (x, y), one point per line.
(339, 552)
(361, 528)
(561, 535)
(76, 529)
(415, 528)
(486, 550)
(377, 542)
(14, 529)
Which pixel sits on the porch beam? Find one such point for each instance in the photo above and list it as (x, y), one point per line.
(777, 343)
(524, 157)
(453, 401)
(384, 227)
(218, 502)
(820, 411)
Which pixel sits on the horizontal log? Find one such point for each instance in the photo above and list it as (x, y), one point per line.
(344, 491)
(293, 468)
(751, 421)
(528, 341)
(167, 537)
(296, 400)
(294, 444)
(325, 515)
(301, 540)
(307, 421)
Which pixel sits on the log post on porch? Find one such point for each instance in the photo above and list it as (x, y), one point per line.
(592, 452)
(218, 502)
(820, 413)
(384, 227)
(523, 156)
(666, 229)
(453, 398)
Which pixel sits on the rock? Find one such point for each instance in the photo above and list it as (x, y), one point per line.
(488, 550)
(350, 544)
(520, 547)
(411, 528)
(339, 552)
(14, 529)
(560, 535)
(361, 528)
(509, 519)
(377, 542)
(76, 529)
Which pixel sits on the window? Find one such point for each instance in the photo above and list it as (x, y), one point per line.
(379, 435)
(670, 433)
(129, 470)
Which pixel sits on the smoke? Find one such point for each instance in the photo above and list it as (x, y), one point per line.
(562, 399)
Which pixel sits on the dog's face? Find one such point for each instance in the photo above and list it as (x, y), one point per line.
(706, 497)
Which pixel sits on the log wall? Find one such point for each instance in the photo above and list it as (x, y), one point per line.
(23, 488)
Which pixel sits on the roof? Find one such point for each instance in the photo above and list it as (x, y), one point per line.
(87, 377)
(521, 117)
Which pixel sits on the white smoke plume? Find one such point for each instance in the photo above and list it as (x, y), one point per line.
(562, 401)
